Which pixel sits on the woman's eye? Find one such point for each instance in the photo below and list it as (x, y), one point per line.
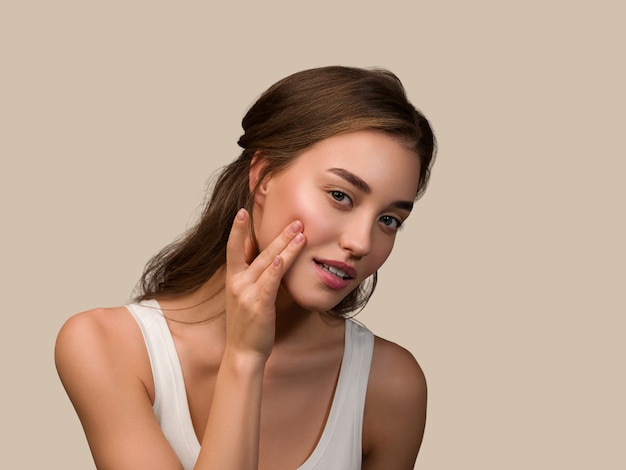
(391, 222)
(340, 196)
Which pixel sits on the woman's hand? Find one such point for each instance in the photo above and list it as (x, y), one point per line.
(252, 286)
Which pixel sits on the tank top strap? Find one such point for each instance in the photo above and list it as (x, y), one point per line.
(340, 446)
(170, 398)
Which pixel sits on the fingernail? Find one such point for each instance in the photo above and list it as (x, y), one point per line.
(295, 227)
(241, 214)
(298, 239)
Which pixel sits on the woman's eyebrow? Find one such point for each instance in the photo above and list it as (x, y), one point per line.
(351, 178)
(360, 184)
(406, 205)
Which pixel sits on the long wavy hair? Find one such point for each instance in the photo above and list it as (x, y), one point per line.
(293, 114)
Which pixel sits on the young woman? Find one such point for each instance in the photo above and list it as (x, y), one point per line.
(239, 351)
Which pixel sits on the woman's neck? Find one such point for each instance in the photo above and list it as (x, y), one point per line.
(294, 324)
(203, 305)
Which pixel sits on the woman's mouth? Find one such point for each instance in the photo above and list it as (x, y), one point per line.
(333, 270)
(336, 275)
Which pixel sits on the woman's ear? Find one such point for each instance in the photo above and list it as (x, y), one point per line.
(255, 175)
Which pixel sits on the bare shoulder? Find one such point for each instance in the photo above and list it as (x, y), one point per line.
(395, 409)
(93, 323)
(84, 332)
(101, 345)
(396, 370)
(104, 366)
(98, 321)
(96, 336)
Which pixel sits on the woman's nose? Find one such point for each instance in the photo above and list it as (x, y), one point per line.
(357, 239)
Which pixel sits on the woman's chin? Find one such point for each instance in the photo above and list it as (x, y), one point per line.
(309, 301)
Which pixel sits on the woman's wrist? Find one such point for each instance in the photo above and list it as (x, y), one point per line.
(243, 363)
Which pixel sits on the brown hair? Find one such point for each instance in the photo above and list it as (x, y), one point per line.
(293, 114)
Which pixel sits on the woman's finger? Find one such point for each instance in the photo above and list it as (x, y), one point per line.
(271, 277)
(274, 249)
(270, 281)
(250, 250)
(236, 246)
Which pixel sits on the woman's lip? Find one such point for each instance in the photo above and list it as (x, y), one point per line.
(329, 279)
(349, 270)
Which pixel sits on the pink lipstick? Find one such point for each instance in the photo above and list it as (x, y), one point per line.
(335, 274)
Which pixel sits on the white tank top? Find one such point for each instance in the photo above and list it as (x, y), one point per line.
(339, 447)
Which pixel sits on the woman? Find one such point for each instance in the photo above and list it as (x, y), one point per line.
(238, 352)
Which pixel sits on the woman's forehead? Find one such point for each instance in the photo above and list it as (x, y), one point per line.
(364, 158)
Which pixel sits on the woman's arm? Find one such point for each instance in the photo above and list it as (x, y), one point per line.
(395, 409)
(231, 439)
(101, 357)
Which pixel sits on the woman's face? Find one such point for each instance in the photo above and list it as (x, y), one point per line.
(351, 192)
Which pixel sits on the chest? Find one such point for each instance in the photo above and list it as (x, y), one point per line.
(298, 394)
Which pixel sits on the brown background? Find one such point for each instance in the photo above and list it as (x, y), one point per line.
(507, 285)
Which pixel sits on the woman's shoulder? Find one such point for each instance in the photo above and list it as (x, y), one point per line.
(95, 318)
(395, 369)
(96, 328)
(395, 410)
(97, 342)
(104, 366)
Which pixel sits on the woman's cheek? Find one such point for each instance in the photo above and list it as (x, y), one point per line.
(317, 218)
(308, 213)
(381, 250)
(280, 208)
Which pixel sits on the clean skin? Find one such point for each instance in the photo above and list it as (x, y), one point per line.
(352, 192)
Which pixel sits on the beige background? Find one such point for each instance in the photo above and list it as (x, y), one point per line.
(507, 285)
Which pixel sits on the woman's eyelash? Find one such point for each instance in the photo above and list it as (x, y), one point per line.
(398, 223)
(339, 196)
